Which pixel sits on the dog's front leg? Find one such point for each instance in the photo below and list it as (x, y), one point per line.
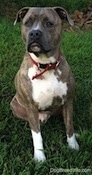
(68, 120)
(36, 135)
(38, 146)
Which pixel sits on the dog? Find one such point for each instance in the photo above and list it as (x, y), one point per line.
(44, 83)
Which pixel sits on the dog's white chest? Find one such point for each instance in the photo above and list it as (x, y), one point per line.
(44, 90)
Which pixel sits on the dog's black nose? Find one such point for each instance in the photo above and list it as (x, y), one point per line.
(35, 34)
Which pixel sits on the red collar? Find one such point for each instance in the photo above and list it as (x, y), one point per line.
(45, 67)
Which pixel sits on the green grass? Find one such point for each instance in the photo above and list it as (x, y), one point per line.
(16, 151)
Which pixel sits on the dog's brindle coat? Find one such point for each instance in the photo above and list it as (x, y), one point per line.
(52, 91)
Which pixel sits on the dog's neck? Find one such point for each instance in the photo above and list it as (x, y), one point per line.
(44, 63)
(42, 58)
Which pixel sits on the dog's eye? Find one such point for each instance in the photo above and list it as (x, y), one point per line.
(49, 24)
(28, 22)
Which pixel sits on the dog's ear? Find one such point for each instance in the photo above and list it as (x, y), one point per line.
(20, 15)
(63, 14)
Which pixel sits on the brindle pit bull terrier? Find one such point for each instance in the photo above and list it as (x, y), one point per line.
(44, 83)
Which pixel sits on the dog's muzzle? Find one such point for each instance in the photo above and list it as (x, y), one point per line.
(37, 43)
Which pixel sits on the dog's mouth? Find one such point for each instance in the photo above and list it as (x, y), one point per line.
(35, 47)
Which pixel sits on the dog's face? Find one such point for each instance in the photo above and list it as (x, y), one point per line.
(41, 28)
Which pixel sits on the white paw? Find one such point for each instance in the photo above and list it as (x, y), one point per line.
(39, 155)
(72, 143)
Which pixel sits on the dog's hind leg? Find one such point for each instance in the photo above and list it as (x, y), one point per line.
(18, 109)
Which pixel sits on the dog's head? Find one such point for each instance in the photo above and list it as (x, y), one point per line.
(42, 27)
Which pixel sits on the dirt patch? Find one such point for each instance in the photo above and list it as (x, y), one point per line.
(82, 20)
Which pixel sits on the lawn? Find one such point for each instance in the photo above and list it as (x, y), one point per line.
(16, 151)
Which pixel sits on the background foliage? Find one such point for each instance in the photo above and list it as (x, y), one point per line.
(70, 5)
